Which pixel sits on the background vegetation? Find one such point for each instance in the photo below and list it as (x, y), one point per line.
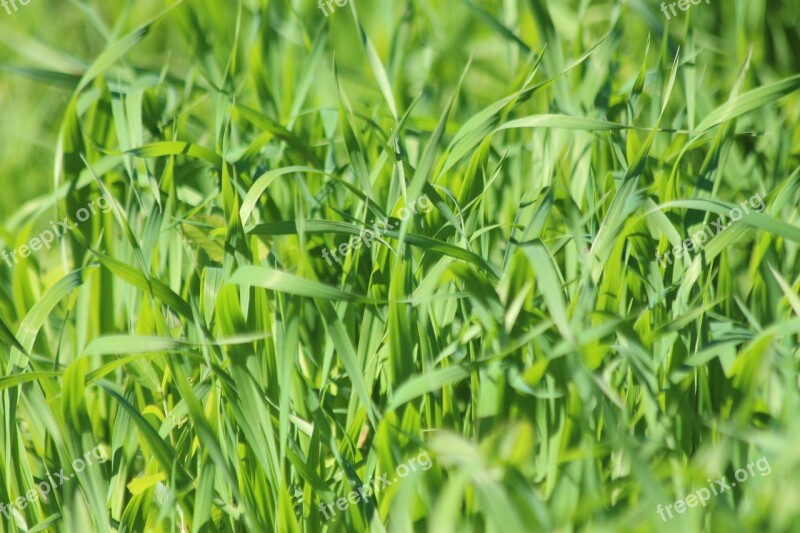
(522, 332)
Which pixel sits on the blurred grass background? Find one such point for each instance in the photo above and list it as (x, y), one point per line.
(445, 34)
(560, 377)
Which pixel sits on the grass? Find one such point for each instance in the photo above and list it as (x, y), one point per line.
(522, 333)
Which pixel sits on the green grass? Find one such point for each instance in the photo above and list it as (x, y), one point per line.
(522, 333)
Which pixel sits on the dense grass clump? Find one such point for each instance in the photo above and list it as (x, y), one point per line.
(447, 265)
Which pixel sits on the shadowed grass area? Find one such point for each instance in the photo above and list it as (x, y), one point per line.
(258, 321)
